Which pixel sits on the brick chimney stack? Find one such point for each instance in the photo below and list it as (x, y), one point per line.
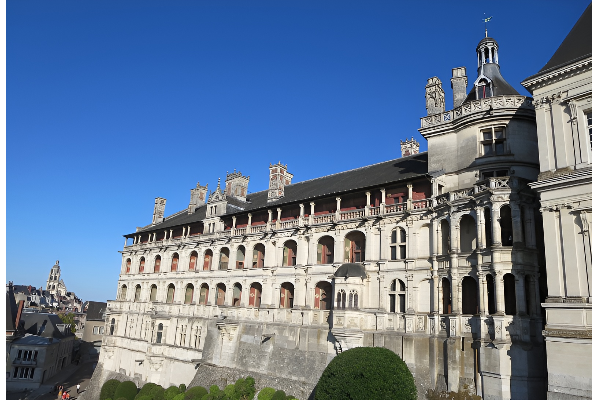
(279, 178)
(197, 197)
(459, 84)
(236, 185)
(435, 102)
(159, 210)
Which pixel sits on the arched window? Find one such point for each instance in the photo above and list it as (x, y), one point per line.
(138, 291)
(323, 294)
(255, 294)
(446, 297)
(123, 294)
(445, 231)
(237, 295)
(510, 295)
(174, 262)
(220, 294)
(159, 333)
(204, 294)
(287, 295)
(468, 234)
(354, 247)
(153, 291)
(491, 299)
(325, 250)
(157, 261)
(112, 326)
(488, 227)
(397, 296)
(340, 302)
(128, 265)
(353, 300)
(170, 293)
(289, 253)
(193, 260)
(484, 88)
(142, 264)
(470, 303)
(239, 257)
(189, 293)
(506, 233)
(208, 254)
(398, 244)
(224, 258)
(258, 256)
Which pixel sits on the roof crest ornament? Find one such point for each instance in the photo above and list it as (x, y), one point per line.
(485, 21)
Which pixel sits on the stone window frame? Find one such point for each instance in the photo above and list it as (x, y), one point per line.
(399, 293)
(493, 140)
(398, 243)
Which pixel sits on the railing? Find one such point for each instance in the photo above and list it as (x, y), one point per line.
(477, 106)
(500, 182)
(421, 204)
(352, 214)
(292, 223)
(20, 361)
(238, 231)
(374, 210)
(394, 208)
(323, 218)
(258, 228)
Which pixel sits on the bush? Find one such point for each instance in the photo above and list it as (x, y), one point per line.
(230, 392)
(214, 394)
(195, 393)
(122, 398)
(108, 389)
(266, 393)
(278, 395)
(171, 392)
(157, 393)
(126, 389)
(143, 397)
(145, 390)
(366, 373)
(180, 396)
(244, 388)
(182, 388)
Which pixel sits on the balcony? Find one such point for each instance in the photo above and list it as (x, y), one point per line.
(21, 361)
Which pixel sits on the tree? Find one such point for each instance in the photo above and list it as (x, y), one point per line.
(366, 373)
(68, 319)
(108, 389)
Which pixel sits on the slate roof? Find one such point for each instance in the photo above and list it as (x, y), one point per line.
(576, 46)
(499, 85)
(42, 324)
(95, 310)
(350, 270)
(361, 178)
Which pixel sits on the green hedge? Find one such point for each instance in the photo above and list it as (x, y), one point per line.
(108, 389)
(366, 373)
(266, 393)
(171, 392)
(126, 389)
(245, 389)
(195, 393)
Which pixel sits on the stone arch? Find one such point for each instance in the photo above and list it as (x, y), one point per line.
(207, 261)
(224, 258)
(491, 294)
(153, 292)
(506, 231)
(354, 247)
(138, 291)
(142, 264)
(171, 293)
(325, 250)
(445, 233)
(220, 294)
(470, 301)
(240, 256)
(159, 333)
(286, 295)
(112, 326)
(204, 292)
(255, 295)
(123, 293)
(258, 256)
(446, 296)
(397, 296)
(510, 295)
(290, 249)
(189, 294)
(323, 295)
(174, 262)
(193, 260)
(488, 226)
(157, 261)
(127, 265)
(236, 299)
(468, 234)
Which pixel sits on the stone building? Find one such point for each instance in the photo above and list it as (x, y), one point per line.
(54, 284)
(433, 255)
(562, 92)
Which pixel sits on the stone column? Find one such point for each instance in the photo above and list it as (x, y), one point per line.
(368, 206)
(515, 212)
(248, 227)
(520, 289)
(337, 212)
(234, 220)
(170, 234)
(434, 264)
(278, 223)
(382, 204)
(270, 219)
(499, 291)
(529, 227)
(496, 237)
(409, 200)
(454, 231)
(482, 293)
(480, 228)
(312, 212)
(154, 237)
(301, 217)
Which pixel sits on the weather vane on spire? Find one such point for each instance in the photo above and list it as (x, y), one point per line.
(485, 21)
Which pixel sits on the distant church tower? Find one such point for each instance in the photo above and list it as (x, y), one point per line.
(54, 284)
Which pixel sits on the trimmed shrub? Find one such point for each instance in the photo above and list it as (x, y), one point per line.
(145, 390)
(230, 392)
(143, 397)
(126, 389)
(182, 388)
(195, 393)
(122, 398)
(214, 394)
(278, 395)
(366, 373)
(244, 388)
(266, 393)
(180, 396)
(171, 392)
(157, 393)
(108, 389)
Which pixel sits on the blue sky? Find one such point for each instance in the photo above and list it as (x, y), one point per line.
(113, 103)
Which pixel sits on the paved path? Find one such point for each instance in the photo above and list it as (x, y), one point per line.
(69, 377)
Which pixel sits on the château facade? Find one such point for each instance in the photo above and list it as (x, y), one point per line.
(433, 255)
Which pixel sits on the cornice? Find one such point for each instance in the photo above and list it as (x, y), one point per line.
(556, 75)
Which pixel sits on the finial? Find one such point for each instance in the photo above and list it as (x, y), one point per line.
(485, 21)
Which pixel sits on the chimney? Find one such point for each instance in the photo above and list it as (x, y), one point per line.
(434, 96)
(409, 147)
(197, 197)
(459, 85)
(278, 179)
(159, 210)
(19, 311)
(236, 185)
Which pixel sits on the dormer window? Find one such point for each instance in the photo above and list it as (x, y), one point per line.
(484, 89)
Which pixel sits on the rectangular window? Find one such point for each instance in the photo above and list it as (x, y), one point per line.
(19, 354)
(588, 117)
(393, 253)
(493, 142)
(16, 372)
(102, 330)
(96, 330)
